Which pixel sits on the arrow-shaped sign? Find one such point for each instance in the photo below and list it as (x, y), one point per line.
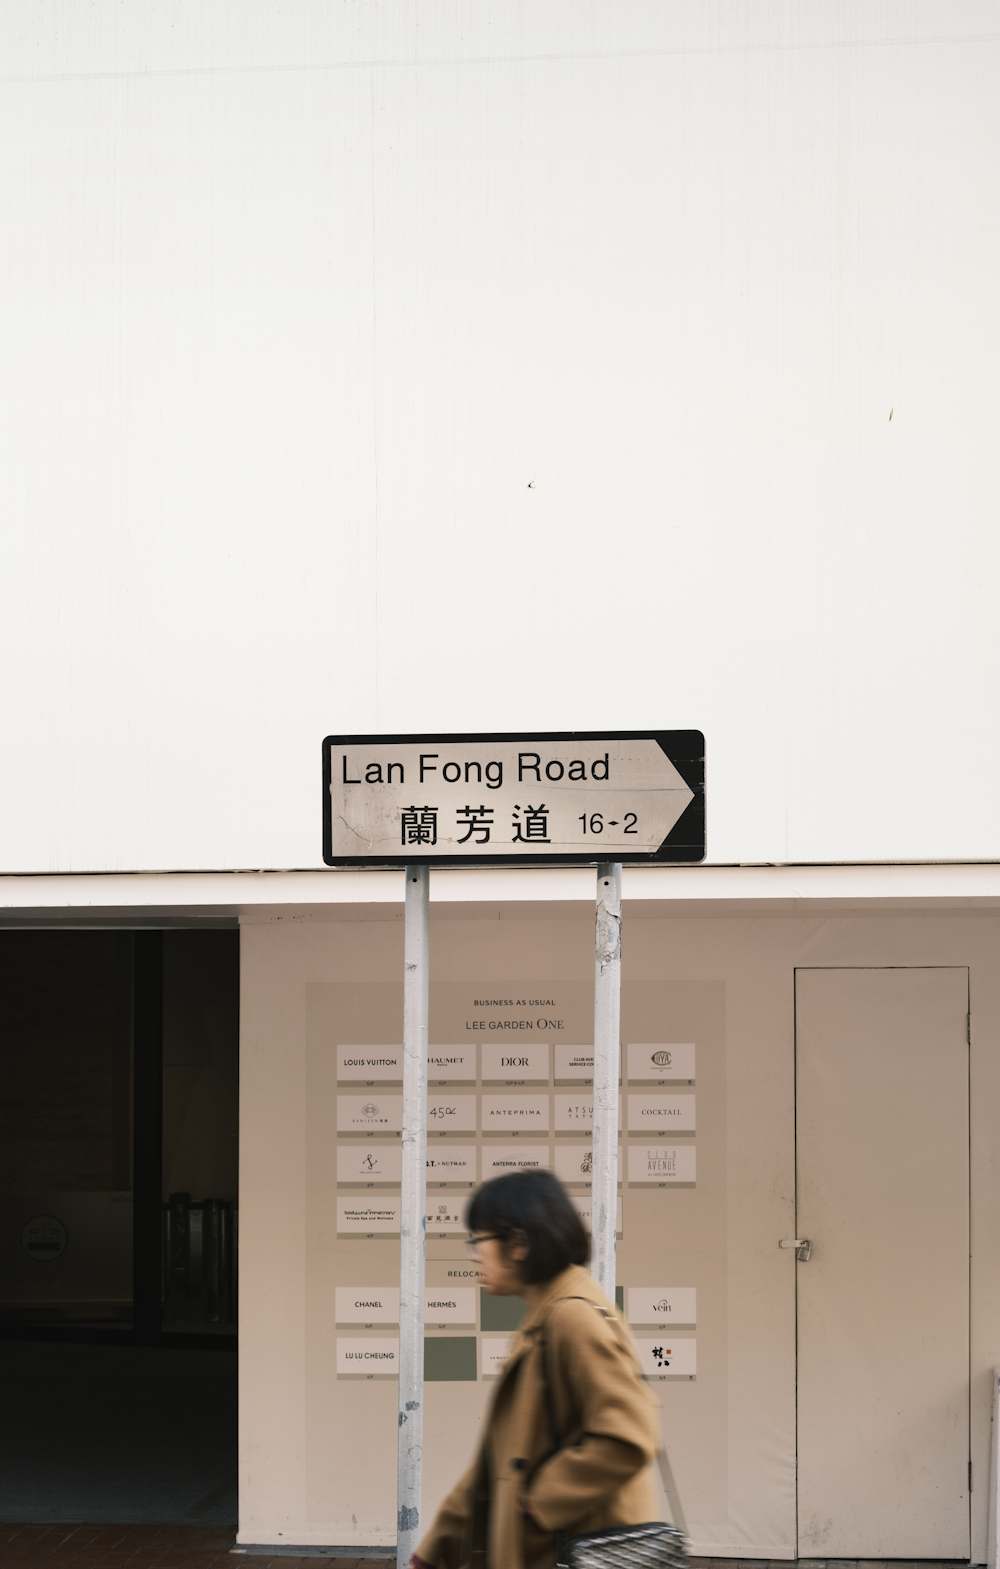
(568, 797)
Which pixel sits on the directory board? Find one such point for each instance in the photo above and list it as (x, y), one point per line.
(510, 1088)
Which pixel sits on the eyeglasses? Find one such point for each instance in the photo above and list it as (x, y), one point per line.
(473, 1243)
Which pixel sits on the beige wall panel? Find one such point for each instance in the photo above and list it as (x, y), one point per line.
(732, 1431)
(285, 1370)
(745, 1493)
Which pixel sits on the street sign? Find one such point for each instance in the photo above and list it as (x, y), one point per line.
(557, 797)
(550, 798)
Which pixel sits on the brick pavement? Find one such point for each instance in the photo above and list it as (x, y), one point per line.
(144, 1547)
(211, 1547)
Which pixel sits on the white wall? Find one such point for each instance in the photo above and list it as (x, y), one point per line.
(399, 366)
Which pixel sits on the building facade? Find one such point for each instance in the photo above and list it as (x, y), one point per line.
(400, 368)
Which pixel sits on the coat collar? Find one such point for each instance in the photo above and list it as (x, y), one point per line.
(573, 1282)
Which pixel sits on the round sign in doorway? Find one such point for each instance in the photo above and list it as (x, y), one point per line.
(44, 1237)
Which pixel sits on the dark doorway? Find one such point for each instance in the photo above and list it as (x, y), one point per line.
(119, 1250)
(116, 1433)
(65, 1128)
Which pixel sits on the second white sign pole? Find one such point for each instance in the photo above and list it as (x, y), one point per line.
(413, 1211)
(607, 1054)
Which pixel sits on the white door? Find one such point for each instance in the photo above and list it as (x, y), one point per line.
(882, 1193)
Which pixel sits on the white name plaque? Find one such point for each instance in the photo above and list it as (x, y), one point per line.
(575, 1113)
(453, 1271)
(370, 1062)
(365, 1357)
(451, 1113)
(574, 1163)
(451, 1062)
(494, 1351)
(367, 1304)
(498, 1159)
(447, 1305)
(574, 1062)
(369, 1162)
(374, 1113)
(662, 1305)
(445, 1214)
(673, 1061)
(368, 1216)
(503, 1113)
(669, 1112)
(513, 1060)
(668, 1356)
(450, 1162)
(656, 1163)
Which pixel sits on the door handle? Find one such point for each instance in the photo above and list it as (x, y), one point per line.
(802, 1246)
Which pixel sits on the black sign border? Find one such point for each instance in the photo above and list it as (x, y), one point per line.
(683, 846)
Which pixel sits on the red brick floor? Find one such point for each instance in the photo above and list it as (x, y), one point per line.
(210, 1547)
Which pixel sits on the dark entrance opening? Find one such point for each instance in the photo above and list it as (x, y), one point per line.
(119, 1224)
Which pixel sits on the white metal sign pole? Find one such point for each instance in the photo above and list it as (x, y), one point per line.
(992, 1556)
(410, 1440)
(607, 1051)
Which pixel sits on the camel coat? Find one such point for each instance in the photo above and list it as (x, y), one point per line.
(608, 1432)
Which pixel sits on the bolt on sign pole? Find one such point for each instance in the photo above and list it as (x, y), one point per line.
(413, 1211)
(607, 1052)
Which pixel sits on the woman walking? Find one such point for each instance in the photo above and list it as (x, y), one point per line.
(572, 1428)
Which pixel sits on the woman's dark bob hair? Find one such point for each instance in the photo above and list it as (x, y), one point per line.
(536, 1204)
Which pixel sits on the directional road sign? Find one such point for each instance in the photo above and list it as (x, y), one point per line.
(566, 797)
